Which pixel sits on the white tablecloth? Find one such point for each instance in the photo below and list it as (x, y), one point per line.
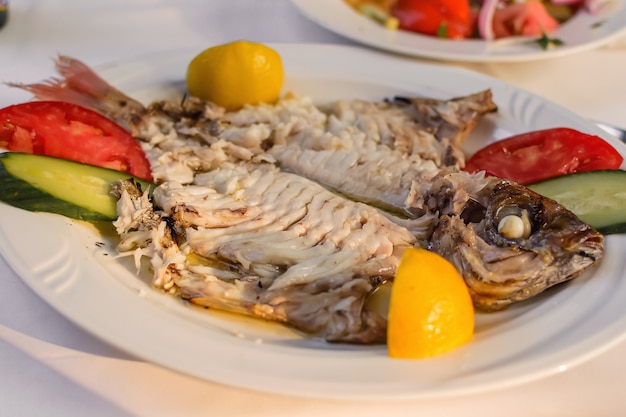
(50, 367)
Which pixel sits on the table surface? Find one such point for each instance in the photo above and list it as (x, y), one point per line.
(49, 366)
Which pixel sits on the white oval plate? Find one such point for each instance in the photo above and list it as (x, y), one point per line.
(72, 265)
(584, 31)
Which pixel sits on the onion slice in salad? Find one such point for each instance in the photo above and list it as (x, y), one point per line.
(485, 19)
(595, 6)
(566, 2)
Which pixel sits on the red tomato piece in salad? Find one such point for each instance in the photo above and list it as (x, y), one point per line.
(72, 132)
(535, 156)
(523, 19)
(443, 18)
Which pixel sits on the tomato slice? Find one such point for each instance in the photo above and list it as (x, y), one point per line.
(523, 19)
(443, 18)
(542, 154)
(72, 132)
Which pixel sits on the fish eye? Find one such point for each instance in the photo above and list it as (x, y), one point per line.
(513, 222)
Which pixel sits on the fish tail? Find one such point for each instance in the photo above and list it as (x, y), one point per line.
(79, 84)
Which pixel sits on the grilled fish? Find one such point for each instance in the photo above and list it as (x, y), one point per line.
(282, 210)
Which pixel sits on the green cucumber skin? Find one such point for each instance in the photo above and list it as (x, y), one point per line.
(19, 193)
(589, 186)
(613, 229)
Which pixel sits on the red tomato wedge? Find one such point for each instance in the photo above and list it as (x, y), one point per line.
(535, 156)
(72, 132)
(523, 19)
(443, 18)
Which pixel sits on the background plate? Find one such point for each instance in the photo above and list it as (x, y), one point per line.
(72, 265)
(584, 31)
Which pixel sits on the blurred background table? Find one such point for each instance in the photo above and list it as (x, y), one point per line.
(50, 367)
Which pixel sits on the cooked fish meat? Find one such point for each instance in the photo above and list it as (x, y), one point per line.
(393, 145)
(275, 210)
(270, 244)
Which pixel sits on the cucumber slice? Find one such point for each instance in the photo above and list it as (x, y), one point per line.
(596, 197)
(47, 184)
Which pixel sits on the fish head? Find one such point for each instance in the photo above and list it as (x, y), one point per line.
(511, 243)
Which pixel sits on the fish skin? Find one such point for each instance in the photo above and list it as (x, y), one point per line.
(453, 119)
(417, 175)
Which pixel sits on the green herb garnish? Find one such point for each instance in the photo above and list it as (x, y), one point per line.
(546, 42)
(598, 24)
(442, 30)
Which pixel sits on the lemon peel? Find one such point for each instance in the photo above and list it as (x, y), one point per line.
(430, 310)
(234, 74)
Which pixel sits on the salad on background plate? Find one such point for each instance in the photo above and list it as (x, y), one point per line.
(482, 19)
(473, 30)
